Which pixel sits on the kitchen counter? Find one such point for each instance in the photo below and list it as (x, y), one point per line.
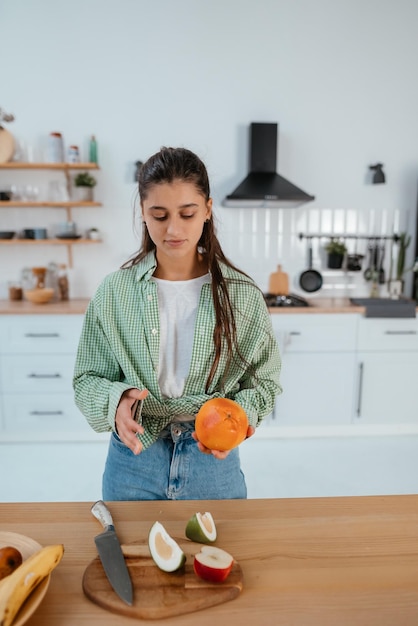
(322, 305)
(316, 561)
(74, 306)
(78, 306)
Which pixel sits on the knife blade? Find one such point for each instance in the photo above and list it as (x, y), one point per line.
(110, 553)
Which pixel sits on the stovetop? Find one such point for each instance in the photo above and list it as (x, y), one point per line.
(291, 300)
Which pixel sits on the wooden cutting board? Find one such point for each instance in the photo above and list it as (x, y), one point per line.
(159, 594)
(279, 283)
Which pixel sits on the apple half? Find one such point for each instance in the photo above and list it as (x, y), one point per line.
(201, 528)
(213, 564)
(165, 552)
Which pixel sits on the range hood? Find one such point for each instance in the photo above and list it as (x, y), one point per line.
(263, 187)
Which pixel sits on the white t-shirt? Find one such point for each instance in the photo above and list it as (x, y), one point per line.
(178, 303)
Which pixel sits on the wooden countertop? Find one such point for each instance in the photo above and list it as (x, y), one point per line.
(78, 306)
(75, 306)
(314, 561)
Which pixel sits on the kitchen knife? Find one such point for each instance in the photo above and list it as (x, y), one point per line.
(111, 555)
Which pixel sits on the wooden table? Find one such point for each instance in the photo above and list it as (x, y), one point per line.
(323, 561)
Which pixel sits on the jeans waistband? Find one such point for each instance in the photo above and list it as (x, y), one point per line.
(176, 429)
(183, 417)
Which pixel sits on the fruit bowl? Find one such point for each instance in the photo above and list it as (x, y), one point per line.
(27, 547)
(41, 295)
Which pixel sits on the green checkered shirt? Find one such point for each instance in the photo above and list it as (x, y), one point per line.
(119, 349)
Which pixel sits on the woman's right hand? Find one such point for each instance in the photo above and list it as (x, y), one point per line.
(126, 426)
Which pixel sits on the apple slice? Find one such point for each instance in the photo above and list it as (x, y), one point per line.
(165, 552)
(212, 564)
(201, 528)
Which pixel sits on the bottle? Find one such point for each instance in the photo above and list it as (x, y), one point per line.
(93, 150)
(63, 286)
(73, 154)
(55, 148)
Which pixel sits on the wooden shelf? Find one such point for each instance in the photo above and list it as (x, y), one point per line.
(17, 165)
(50, 242)
(4, 204)
(42, 242)
(66, 168)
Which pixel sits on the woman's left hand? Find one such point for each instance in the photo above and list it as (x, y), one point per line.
(219, 454)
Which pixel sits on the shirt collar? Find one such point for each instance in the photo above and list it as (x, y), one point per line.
(146, 267)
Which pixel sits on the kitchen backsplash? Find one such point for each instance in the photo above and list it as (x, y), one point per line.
(257, 240)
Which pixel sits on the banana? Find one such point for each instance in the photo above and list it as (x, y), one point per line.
(15, 588)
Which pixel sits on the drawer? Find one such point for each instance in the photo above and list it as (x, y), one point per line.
(49, 414)
(316, 333)
(40, 333)
(388, 334)
(37, 374)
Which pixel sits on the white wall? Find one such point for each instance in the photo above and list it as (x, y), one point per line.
(339, 76)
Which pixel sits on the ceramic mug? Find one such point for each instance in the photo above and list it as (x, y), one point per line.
(40, 233)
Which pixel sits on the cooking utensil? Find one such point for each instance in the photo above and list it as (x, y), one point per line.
(111, 555)
(159, 594)
(279, 283)
(368, 272)
(310, 280)
(382, 276)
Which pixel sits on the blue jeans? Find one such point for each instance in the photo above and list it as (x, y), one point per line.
(172, 468)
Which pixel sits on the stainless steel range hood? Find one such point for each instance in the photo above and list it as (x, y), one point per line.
(263, 187)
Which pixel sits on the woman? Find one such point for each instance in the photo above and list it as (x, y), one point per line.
(177, 325)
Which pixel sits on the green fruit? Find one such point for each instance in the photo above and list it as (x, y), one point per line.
(201, 528)
(165, 552)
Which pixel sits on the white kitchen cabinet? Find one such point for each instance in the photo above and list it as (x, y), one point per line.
(52, 472)
(37, 356)
(387, 364)
(298, 467)
(47, 449)
(318, 369)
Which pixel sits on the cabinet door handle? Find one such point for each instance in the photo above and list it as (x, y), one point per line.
(295, 333)
(41, 335)
(360, 389)
(400, 332)
(44, 376)
(38, 413)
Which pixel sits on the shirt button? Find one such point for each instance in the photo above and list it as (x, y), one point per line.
(154, 331)
(149, 298)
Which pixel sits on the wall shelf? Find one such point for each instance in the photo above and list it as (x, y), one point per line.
(9, 204)
(53, 205)
(51, 242)
(19, 165)
(66, 169)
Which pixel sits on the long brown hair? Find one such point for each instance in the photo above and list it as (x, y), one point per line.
(181, 164)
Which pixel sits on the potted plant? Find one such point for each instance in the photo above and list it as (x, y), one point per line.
(336, 250)
(84, 183)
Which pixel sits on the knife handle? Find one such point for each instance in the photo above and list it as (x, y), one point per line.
(102, 513)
